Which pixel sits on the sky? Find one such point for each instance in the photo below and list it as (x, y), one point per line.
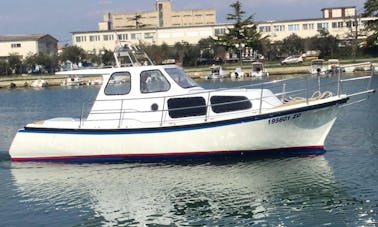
(61, 17)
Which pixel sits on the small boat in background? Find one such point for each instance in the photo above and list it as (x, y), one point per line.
(216, 72)
(360, 67)
(318, 66)
(258, 70)
(238, 73)
(39, 83)
(72, 81)
(333, 65)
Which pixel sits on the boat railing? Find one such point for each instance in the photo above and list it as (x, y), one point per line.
(305, 89)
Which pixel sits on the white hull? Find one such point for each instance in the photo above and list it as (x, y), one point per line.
(302, 128)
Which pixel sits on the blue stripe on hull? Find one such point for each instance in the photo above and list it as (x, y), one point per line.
(240, 155)
(180, 128)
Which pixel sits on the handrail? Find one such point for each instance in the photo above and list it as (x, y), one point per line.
(310, 88)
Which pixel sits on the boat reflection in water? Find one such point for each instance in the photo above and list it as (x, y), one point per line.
(272, 191)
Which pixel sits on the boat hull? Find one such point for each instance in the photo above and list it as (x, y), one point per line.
(296, 130)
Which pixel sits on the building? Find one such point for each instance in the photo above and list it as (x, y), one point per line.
(339, 12)
(162, 17)
(340, 22)
(24, 45)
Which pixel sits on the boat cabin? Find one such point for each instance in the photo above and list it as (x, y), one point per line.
(152, 96)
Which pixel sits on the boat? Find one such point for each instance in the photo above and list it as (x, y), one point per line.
(258, 70)
(156, 112)
(363, 66)
(333, 66)
(318, 67)
(39, 83)
(216, 72)
(72, 81)
(238, 73)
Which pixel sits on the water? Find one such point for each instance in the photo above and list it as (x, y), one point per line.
(338, 188)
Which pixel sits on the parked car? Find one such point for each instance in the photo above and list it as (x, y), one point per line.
(292, 59)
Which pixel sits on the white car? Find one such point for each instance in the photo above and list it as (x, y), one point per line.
(292, 60)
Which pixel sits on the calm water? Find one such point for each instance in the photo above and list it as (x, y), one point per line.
(339, 188)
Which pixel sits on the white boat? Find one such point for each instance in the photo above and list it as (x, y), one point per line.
(318, 66)
(237, 74)
(39, 83)
(333, 66)
(158, 112)
(72, 81)
(216, 72)
(364, 66)
(258, 70)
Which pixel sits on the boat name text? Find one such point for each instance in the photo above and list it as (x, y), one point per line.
(283, 118)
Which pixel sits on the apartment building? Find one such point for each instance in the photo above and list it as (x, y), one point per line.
(163, 16)
(24, 45)
(340, 22)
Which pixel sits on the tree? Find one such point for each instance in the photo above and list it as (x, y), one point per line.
(326, 43)
(74, 54)
(293, 45)
(48, 62)
(244, 30)
(371, 9)
(15, 63)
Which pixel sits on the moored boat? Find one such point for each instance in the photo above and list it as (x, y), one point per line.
(258, 70)
(72, 81)
(39, 83)
(216, 72)
(318, 66)
(148, 112)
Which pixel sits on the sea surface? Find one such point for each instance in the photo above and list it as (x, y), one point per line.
(338, 188)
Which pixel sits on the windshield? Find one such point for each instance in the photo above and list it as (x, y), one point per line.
(179, 76)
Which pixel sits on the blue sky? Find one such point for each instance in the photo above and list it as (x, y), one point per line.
(60, 18)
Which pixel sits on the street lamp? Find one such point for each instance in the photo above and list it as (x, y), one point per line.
(240, 47)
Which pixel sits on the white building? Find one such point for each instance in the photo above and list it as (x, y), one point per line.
(24, 45)
(338, 22)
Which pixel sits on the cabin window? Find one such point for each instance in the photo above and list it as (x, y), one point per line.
(179, 76)
(119, 84)
(186, 107)
(222, 104)
(153, 81)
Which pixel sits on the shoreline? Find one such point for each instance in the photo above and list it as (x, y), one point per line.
(25, 81)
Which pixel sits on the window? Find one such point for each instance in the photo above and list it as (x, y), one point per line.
(93, 38)
(279, 28)
(153, 81)
(179, 76)
(222, 104)
(122, 37)
(108, 37)
(136, 36)
(16, 45)
(119, 84)
(149, 35)
(264, 29)
(322, 26)
(308, 26)
(293, 27)
(81, 39)
(220, 31)
(186, 107)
